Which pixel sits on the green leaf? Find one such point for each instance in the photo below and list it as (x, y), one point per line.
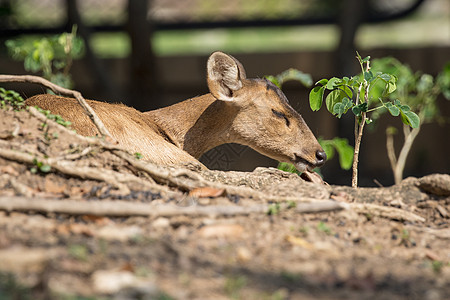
(410, 118)
(328, 147)
(274, 80)
(368, 76)
(338, 109)
(287, 167)
(45, 168)
(322, 81)
(393, 110)
(358, 109)
(294, 74)
(385, 77)
(345, 152)
(348, 91)
(366, 59)
(332, 83)
(316, 98)
(341, 108)
(334, 97)
(425, 83)
(391, 85)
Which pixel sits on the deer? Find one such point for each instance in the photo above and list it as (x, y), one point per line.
(248, 111)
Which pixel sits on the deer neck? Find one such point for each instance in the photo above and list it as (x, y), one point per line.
(196, 125)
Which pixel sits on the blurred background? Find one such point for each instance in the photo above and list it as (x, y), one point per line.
(150, 54)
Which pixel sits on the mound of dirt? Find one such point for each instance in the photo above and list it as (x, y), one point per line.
(81, 217)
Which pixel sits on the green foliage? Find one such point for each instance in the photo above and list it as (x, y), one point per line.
(11, 98)
(234, 285)
(51, 56)
(291, 75)
(359, 92)
(341, 146)
(57, 118)
(40, 166)
(274, 209)
(138, 155)
(79, 252)
(324, 228)
(365, 93)
(418, 91)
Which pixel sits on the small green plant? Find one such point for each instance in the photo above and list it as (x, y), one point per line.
(339, 145)
(40, 166)
(138, 155)
(57, 118)
(274, 209)
(52, 56)
(234, 285)
(356, 94)
(12, 99)
(324, 228)
(79, 252)
(418, 90)
(437, 266)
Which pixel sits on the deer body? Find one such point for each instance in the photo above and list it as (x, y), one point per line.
(252, 112)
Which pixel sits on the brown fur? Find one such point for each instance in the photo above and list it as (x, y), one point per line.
(251, 112)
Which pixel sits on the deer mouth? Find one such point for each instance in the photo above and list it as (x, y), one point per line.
(302, 164)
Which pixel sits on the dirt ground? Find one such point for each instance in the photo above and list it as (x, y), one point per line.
(81, 220)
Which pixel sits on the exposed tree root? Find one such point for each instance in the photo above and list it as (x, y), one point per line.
(385, 212)
(124, 208)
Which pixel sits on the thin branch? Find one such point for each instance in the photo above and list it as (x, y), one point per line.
(391, 150)
(57, 89)
(410, 136)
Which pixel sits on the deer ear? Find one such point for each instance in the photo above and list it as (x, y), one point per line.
(225, 75)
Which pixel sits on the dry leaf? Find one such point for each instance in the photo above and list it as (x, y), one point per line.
(75, 228)
(206, 192)
(99, 220)
(297, 241)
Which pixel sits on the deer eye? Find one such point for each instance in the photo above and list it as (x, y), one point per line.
(280, 115)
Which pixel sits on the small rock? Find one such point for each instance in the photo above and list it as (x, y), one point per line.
(161, 223)
(436, 184)
(243, 254)
(113, 281)
(119, 233)
(221, 231)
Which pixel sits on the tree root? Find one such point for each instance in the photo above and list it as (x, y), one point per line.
(385, 212)
(123, 208)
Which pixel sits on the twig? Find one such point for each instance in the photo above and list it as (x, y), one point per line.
(124, 208)
(57, 89)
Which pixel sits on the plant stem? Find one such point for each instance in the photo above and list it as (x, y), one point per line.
(358, 136)
(359, 127)
(410, 135)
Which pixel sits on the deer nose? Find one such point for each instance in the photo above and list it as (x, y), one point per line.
(321, 158)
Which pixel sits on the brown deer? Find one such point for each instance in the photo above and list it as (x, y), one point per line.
(252, 112)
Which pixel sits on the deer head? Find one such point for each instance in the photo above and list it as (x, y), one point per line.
(261, 116)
